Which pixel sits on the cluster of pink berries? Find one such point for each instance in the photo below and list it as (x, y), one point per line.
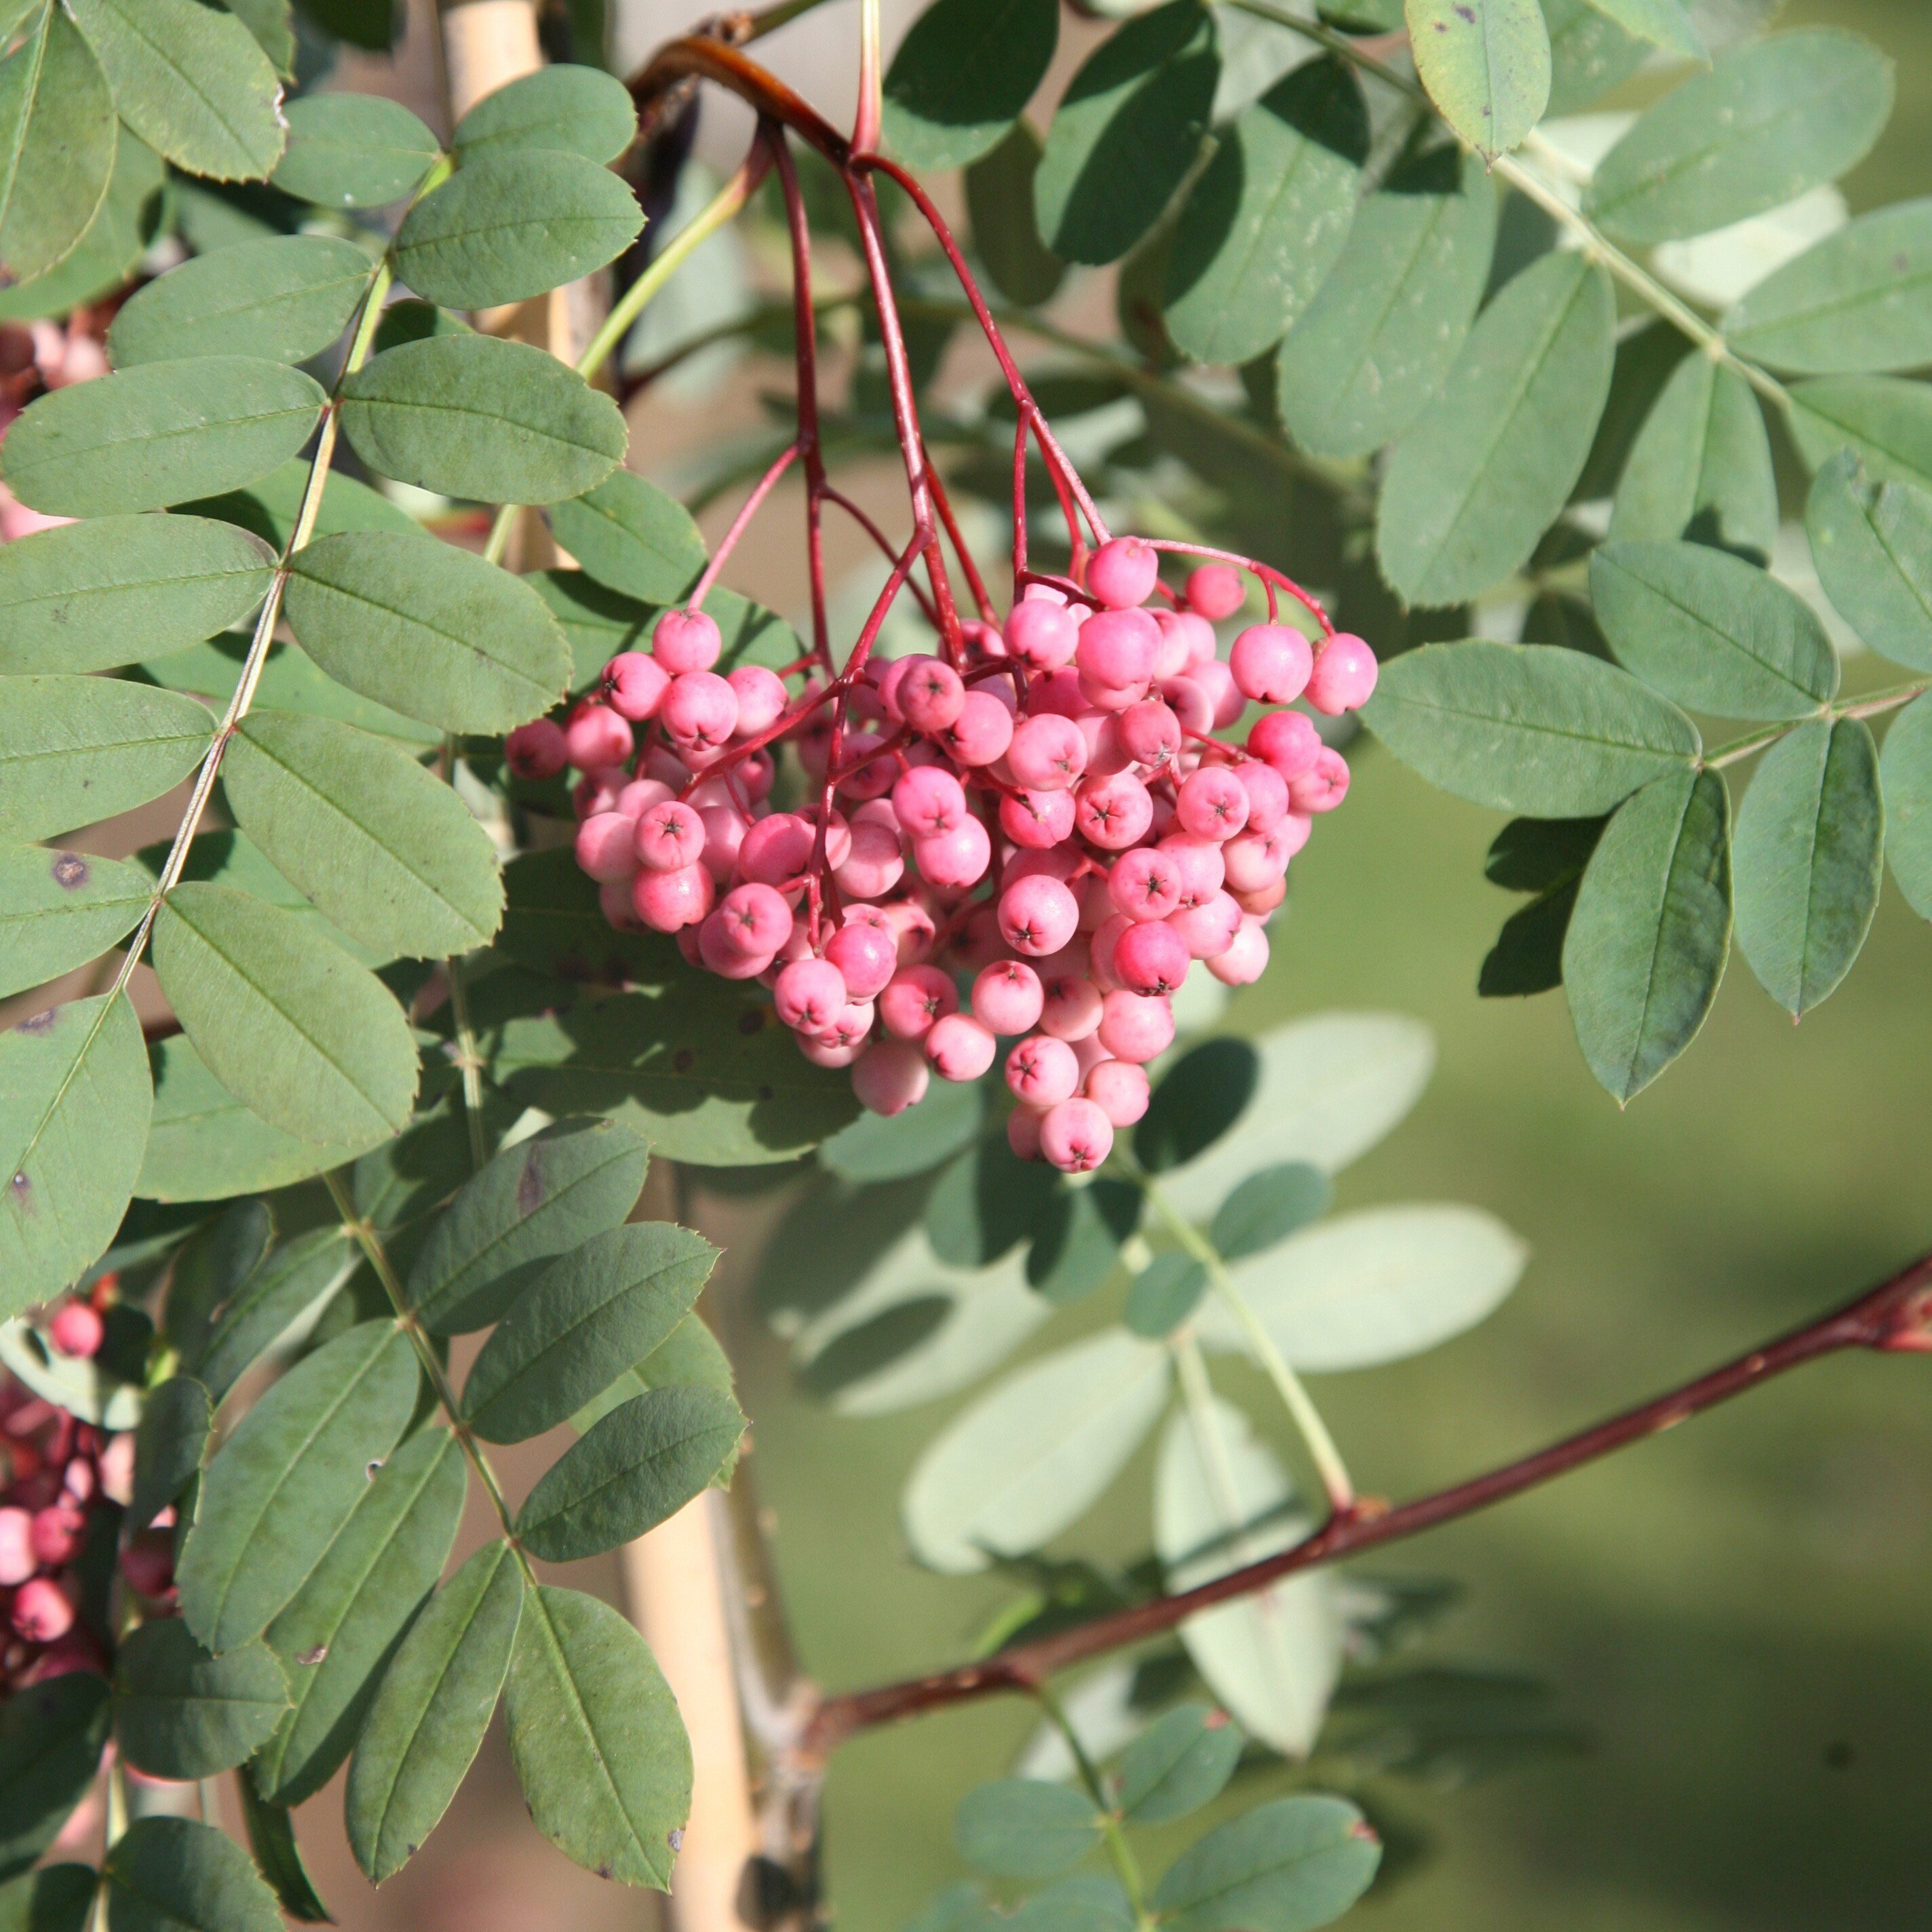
(1067, 757)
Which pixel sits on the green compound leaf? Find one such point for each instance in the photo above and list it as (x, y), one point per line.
(337, 1636)
(507, 225)
(353, 150)
(1589, 54)
(170, 1443)
(288, 1478)
(1287, 1867)
(59, 910)
(1664, 23)
(1700, 467)
(1712, 632)
(1526, 727)
(633, 538)
(297, 1280)
(428, 1716)
(1906, 771)
(51, 1735)
(581, 1324)
(382, 846)
(1268, 1207)
(273, 25)
(271, 507)
(89, 596)
(58, 145)
(285, 298)
(1164, 1293)
(1268, 217)
(1772, 119)
(192, 81)
(211, 1265)
(1179, 1763)
(52, 1898)
(147, 437)
(271, 1840)
(431, 630)
(986, 1202)
(174, 1875)
(1006, 236)
(1859, 300)
(1484, 471)
(634, 1469)
(963, 75)
(1486, 64)
(1884, 420)
(74, 1103)
(1374, 345)
(947, 1120)
(1652, 931)
(689, 1357)
(1872, 545)
(106, 255)
(1809, 852)
(562, 109)
(1026, 1828)
(538, 1199)
(1077, 1241)
(1126, 132)
(182, 1713)
(285, 1019)
(471, 416)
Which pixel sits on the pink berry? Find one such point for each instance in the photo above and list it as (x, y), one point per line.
(929, 801)
(914, 998)
(1043, 1071)
(1114, 813)
(829, 1049)
(1212, 803)
(1145, 883)
(761, 698)
(1008, 997)
(1270, 663)
(596, 737)
(1190, 704)
(889, 1076)
(1268, 793)
(699, 710)
(1150, 957)
(1135, 1028)
(955, 859)
(1100, 950)
(1118, 648)
(614, 901)
(1255, 859)
(17, 1560)
(1038, 915)
(982, 730)
(720, 949)
(1058, 694)
(1149, 733)
(638, 796)
(777, 850)
(1287, 740)
(1263, 900)
(1201, 864)
(757, 921)
(41, 1611)
(724, 830)
(1076, 1136)
(667, 837)
(686, 640)
(76, 1329)
(1344, 676)
(960, 1047)
(633, 685)
(606, 846)
(1122, 572)
(1023, 1132)
(1041, 635)
(1246, 960)
(1048, 752)
(537, 750)
(668, 902)
(851, 1025)
(149, 1564)
(1038, 820)
(865, 958)
(874, 864)
(1216, 590)
(1119, 1088)
(1324, 788)
(1073, 1007)
(808, 994)
(1207, 930)
(930, 695)
(1217, 683)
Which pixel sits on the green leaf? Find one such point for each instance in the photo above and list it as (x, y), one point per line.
(1712, 632)
(182, 1713)
(1288, 1866)
(1180, 1763)
(509, 225)
(1664, 23)
(193, 82)
(562, 109)
(1377, 1285)
(271, 1840)
(1484, 471)
(1872, 545)
(336, 1636)
(298, 1280)
(288, 1022)
(1526, 727)
(1589, 54)
(74, 1102)
(1809, 849)
(76, 750)
(581, 1324)
(633, 538)
(471, 416)
(1906, 771)
(383, 847)
(429, 1714)
(634, 1469)
(1701, 467)
(689, 1357)
(204, 1145)
(57, 146)
(1266, 219)
(353, 150)
(1884, 420)
(1773, 118)
(985, 1202)
(270, 508)
(272, 23)
(289, 1477)
(286, 298)
(1486, 64)
(169, 1445)
(209, 1269)
(120, 234)
(1126, 132)
(1856, 301)
(86, 1387)
(1375, 344)
(147, 437)
(1268, 1207)
(963, 75)
(59, 910)
(1648, 939)
(88, 596)
(1164, 1293)
(1033, 1453)
(1077, 1241)
(51, 1735)
(174, 1875)
(431, 630)
(873, 1149)
(538, 1199)
(1026, 1828)
(1006, 234)
(553, 924)
(54, 1898)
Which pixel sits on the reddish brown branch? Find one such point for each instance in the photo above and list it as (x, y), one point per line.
(1896, 1316)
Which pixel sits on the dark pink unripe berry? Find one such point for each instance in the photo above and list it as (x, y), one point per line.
(1041, 635)
(596, 738)
(1150, 957)
(930, 695)
(1122, 572)
(686, 640)
(866, 957)
(960, 1048)
(1270, 663)
(536, 750)
(761, 698)
(889, 1076)
(1288, 741)
(76, 1330)
(1119, 1088)
(669, 901)
(1216, 590)
(41, 1611)
(634, 684)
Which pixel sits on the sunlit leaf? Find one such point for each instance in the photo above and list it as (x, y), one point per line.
(565, 109)
(633, 538)
(353, 150)
(181, 1713)
(1871, 543)
(1179, 1763)
(1486, 64)
(1884, 420)
(1287, 1866)
(59, 910)
(174, 1875)
(57, 145)
(1906, 770)
(962, 76)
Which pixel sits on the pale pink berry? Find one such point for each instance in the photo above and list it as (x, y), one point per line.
(1289, 741)
(757, 921)
(777, 850)
(982, 730)
(1043, 1071)
(955, 859)
(537, 750)
(852, 1025)
(17, 1560)
(1216, 590)
(866, 957)
(1008, 997)
(1323, 788)
(596, 737)
(885, 676)
(929, 801)
(41, 1611)
(1114, 813)
(1038, 915)
(1344, 677)
(1150, 957)
(1041, 635)
(1255, 859)
(699, 710)
(1268, 793)
(1245, 959)
(889, 1076)
(724, 830)
(1118, 647)
(669, 901)
(686, 640)
(1072, 1010)
(640, 795)
(606, 848)
(1048, 752)
(76, 1329)
(720, 949)
(829, 1049)
(1038, 820)
(1145, 883)
(1023, 1132)
(761, 698)
(1119, 1088)
(1293, 832)
(1211, 803)
(874, 864)
(1263, 899)
(1217, 683)
(914, 998)
(1149, 733)
(1189, 703)
(633, 685)
(1057, 695)
(913, 927)
(1122, 572)
(1270, 662)
(667, 836)
(808, 994)
(930, 695)
(598, 791)
(1201, 864)
(1100, 950)
(1076, 1136)
(1135, 1028)
(960, 1047)
(1207, 930)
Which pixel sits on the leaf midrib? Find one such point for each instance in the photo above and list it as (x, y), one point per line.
(1704, 626)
